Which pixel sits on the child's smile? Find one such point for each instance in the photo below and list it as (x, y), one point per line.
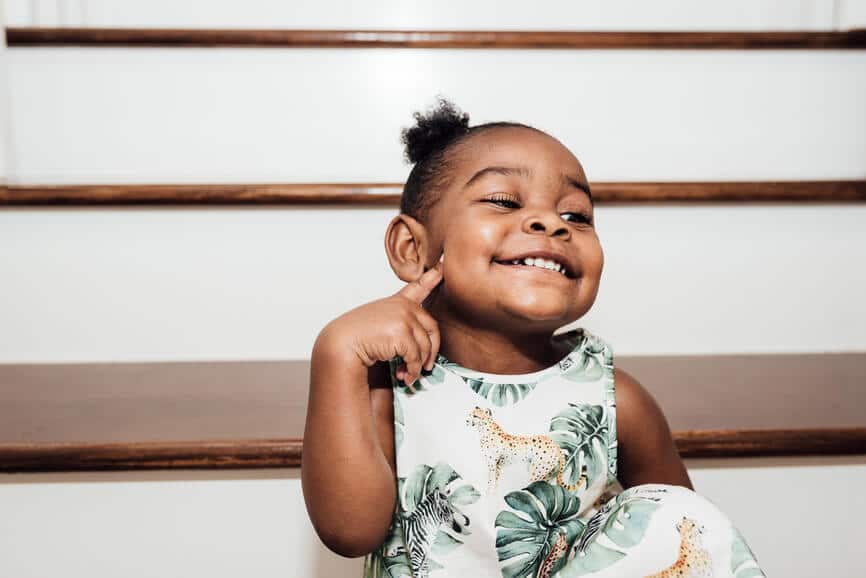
(516, 224)
(538, 261)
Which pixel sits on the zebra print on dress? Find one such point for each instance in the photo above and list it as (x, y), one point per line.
(600, 518)
(422, 525)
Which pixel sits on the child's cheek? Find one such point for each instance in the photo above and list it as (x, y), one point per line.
(486, 236)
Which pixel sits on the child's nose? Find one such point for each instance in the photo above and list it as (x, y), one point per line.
(545, 224)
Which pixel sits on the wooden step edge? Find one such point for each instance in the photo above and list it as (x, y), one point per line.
(463, 39)
(388, 194)
(753, 443)
(245, 454)
(169, 455)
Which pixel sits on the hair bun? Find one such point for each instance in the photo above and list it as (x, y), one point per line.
(434, 130)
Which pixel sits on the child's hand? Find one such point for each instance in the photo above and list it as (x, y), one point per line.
(395, 325)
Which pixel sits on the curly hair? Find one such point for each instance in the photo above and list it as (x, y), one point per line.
(429, 146)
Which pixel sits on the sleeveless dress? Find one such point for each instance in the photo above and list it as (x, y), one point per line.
(515, 476)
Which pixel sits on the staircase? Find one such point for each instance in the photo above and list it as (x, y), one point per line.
(193, 190)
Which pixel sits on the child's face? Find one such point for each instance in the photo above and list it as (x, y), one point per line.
(513, 193)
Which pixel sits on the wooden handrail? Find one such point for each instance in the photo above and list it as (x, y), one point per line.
(486, 39)
(388, 194)
(228, 415)
(286, 453)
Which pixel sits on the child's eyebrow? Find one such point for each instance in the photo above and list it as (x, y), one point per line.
(578, 184)
(506, 171)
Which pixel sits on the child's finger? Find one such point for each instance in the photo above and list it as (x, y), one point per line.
(432, 328)
(419, 289)
(410, 351)
(424, 345)
(401, 374)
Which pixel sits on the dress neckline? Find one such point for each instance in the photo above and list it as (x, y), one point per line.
(571, 338)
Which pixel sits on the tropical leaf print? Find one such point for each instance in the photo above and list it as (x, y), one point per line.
(743, 563)
(610, 414)
(619, 525)
(500, 394)
(399, 423)
(591, 359)
(430, 502)
(390, 560)
(526, 534)
(581, 430)
(425, 479)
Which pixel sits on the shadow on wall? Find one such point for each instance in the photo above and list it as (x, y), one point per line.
(326, 564)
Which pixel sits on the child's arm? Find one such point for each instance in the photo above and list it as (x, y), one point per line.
(646, 452)
(348, 471)
(347, 476)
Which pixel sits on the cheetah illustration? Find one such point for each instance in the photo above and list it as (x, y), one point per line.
(560, 547)
(693, 561)
(541, 454)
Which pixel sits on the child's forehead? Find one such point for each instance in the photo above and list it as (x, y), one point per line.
(519, 152)
(529, 152)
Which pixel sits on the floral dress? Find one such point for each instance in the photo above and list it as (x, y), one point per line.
(515, 476)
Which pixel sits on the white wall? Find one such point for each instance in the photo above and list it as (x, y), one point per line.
(445, 14)
(147, 284)
(245, 115)
(259, 283)
(798, 515)
(851, 13)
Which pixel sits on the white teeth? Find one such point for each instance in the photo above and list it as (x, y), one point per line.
(540, 262)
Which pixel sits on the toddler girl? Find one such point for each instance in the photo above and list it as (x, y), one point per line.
(451, 432)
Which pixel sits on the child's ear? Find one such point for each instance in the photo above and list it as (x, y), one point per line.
(407, 245)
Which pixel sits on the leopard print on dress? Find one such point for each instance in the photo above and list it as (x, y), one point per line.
(499, 448)
(560, 547)
(693, 560)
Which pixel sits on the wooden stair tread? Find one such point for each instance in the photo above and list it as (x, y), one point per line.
(388, 194)
(64, 417)
(433, 39)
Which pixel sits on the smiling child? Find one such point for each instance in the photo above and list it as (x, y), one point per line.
(450, 430)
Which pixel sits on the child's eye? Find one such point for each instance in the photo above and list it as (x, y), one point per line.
(507, 202)
(577, 218)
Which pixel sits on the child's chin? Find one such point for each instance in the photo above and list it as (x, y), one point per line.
(556, 314)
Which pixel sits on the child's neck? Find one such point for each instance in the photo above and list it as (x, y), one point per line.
(493, 351)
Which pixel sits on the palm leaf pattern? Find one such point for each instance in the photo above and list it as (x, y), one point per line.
(620, 524)
(526, 534)
(425, 480)
(743, 563)
(399, 423)
(390, 560)
(500, 394)
(581, 430)
(591, 359)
